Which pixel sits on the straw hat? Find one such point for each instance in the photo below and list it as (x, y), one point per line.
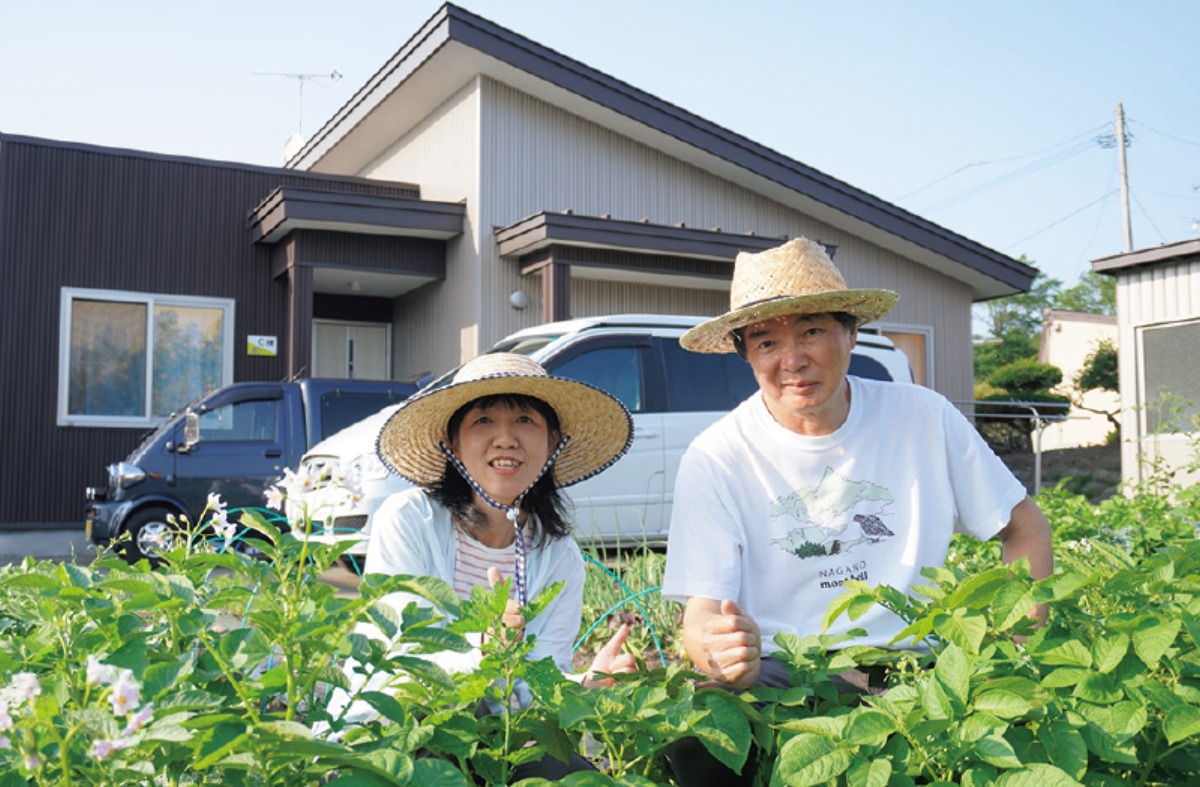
(599, 426)
(795, 278)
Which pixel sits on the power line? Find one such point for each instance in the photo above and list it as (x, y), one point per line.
(1009, 177)
(1165, 134)
(965, 167)
(1161, 237)
(1055, 223)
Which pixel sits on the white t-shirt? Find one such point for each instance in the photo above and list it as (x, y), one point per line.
(412, 534)
(779, 521)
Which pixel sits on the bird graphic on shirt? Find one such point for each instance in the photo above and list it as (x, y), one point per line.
(873, 527)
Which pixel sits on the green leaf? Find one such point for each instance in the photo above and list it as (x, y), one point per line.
(29, 581)
(1181, 722)
(937, 704)
(574, 709)
(1098, 688)
(1069, 653)
(869, 773)
(1002, 703)
(244, 648)
(977, 591)
(1036, 775)
(953, 672)
(218, 742)
(725, 731)
(424, 671)
(159, 678)
(1064, 676)
(869, 728)
(808, 760)
(965, 628)
(1065, 747)
(1107, 651)
(838, 606)
(1153, 637)
(430, 772)
(995, 750)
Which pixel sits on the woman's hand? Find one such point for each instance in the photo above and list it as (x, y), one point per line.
(610, 660)
(512, 621)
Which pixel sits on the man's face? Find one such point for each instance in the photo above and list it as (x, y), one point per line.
(800, 363)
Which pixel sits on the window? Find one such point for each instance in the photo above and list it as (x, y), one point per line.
(700, 382)
(616, 370)
(1170, 385)
(252, 420)
(131, 359)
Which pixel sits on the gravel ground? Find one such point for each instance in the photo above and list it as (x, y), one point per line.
(1094, 471)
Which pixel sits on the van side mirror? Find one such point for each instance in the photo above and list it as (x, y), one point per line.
(191, 431)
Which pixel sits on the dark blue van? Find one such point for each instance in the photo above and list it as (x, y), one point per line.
(235, 442)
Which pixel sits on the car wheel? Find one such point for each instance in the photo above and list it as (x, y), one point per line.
(150, 532)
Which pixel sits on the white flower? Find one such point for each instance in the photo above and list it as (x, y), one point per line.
(6, 721)
(139, 719)
(214, 501)
(26, 686)
(126, 694)
(5, 743)
(99, 673)
(275, 498)
(225, 529)
(32, 762)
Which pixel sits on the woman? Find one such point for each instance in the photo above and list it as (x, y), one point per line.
(488, 454)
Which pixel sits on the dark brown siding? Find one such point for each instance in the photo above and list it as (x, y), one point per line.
(80, 216)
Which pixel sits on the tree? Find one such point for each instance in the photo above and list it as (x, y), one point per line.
(1099, 372)
(1014, 326)
(1095, 293)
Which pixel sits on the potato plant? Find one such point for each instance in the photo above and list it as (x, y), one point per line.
(216, 668)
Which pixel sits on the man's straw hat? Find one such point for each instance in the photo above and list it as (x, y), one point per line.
(795, 278)
(599, 426)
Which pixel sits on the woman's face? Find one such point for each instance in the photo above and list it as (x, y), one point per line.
(503, 447)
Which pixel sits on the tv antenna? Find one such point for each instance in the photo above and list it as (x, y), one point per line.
(302, 80)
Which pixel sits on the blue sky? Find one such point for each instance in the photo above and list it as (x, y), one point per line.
(980, 116)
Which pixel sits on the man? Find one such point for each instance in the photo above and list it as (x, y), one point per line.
(820, 477)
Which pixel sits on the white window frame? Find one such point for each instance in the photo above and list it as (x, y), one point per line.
(70, 294)
(1145, 397)
(926, 331)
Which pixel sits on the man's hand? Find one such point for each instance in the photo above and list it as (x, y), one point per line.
(723, 641)
(513, 622)
(610, 660)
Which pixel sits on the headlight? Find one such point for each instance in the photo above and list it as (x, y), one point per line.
(369, 468)
(123, 475)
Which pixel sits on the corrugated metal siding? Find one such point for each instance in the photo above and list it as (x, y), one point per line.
(1150, 295)
(93, 218)
(595, 298)
(537, 157)
(436, 325)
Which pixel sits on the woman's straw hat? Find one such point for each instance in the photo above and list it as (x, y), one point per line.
(599, 426)
(795, 278)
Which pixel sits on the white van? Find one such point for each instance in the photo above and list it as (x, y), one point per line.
(673, 395)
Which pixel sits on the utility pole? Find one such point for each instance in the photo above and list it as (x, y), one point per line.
(1121, 144)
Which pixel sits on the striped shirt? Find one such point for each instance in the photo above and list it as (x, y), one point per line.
(472, 560)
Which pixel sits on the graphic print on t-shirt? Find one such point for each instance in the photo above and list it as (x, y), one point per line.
(833, 517)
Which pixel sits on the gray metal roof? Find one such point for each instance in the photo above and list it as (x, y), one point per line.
(454, 44)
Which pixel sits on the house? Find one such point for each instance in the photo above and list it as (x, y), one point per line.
(478, 183)
(1158, 327)
(1068, 338)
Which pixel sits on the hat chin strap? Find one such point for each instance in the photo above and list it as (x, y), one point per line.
(512, 512)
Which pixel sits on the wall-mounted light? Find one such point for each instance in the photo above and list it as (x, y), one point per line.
(518, 299)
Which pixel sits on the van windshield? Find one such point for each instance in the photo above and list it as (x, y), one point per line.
(526, 345)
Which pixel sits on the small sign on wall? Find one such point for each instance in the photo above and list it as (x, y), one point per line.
(262, 345)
